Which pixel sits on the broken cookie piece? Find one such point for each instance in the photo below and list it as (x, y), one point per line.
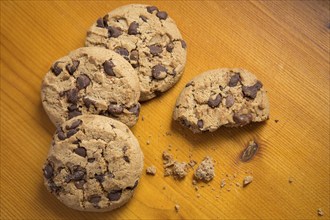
(174, 168)
(221, 97)
(205, 171)
(247, 180)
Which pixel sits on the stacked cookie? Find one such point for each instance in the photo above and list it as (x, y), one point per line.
(92, 95)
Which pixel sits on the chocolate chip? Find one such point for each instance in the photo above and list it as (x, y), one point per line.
(214, 102)
(114, 32)
(159, 71)
(53, 187)
(200, 123)
(48, 171)
(72, 96)
(100, 23)
(75, 124)
(95, 199)
(73, 67)
(81, 151)
(155, 49)
(134, 55)
(161, 15)
(150, 9)
(183, 44)
(108, 67)
(234, 80)
(144, 18)
(56, 69)
(78, 173)
(72, 132)
(126, 158)
(122, 51)
(74, 113)
(88, 102)
(230, 100)
(105, 20)
(135, 109)
(191, 83)
(251, 91)
(115, 109)
(99, 177)
(169, 47)
(125, 148)
(60, 134)
(242, 119)
(82, 81)
(133, 187)
(132, 29)
(80, 184)
(114, 195)
(249, 151)
(91, 160)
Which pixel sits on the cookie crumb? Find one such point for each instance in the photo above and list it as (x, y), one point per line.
(167, 133)
(276, 120)
(223, 183)
(151, 170)
(180, 170)
(164, 187)
(194, 182)
(174, 168)
(198, 195)
(237, 184)
(320, 212)
(142, 118)
(228, 189)
(192, 163)
(290, 180)
(177, 207)
(247, 180)
(205, 171)
(148, 142)
(196, 188)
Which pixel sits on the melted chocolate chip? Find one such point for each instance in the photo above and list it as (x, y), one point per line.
(114, 195)
(214, 102)
(183, 44)
(135, 109)
(242, 119)
(126, 158)
(234, 80)
(99, 177)
(200, 123)
(71, 132)
(81, 151)
(72, 96)
(159, 71)
(75, 124)
(134, 55)
(251, 91)
(73, 67)
(115, 109)
(56, 69)
(108, 67)
(155, 49)
(122, 51)
(150, 9)
(80, 184)
(48, 171)
(94, 199)
(114, 32)
(230, 100)
(162, 15)
(170, 47)
(132, 29)
(144, 18)
(82, 81)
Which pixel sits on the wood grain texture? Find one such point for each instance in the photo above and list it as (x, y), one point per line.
(285, 43)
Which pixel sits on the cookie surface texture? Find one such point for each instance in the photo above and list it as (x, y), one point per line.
(221, 97)
(91, 80)
(149, 39)
(94, 164)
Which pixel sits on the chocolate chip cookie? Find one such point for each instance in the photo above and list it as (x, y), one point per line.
(91, 80)
(149, 39)
(221, 97)
(94, 163)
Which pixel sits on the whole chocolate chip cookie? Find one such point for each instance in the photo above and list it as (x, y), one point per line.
(91, 80)
(149, 39)
(221, 97)
(94, 163)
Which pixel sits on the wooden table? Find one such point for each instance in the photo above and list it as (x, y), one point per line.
(285, 43)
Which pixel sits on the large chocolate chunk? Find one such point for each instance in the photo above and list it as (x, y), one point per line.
(213, 103)
(159, 71)
(162, 15)
(48, 171)
(251, 91)
(115, 109)
(234, 80)
(108, 67)
(155, 49)
(82, 81)
(114, 32)
(242, 119)
(56, 69)
(150, 9)
(114, 195)
(132, 29)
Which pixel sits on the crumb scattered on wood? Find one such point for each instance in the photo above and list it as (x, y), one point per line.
(174, 168)
(192, 163)
(198, 195)
(222, 183)
(151, 170)
(148, 142)
(194, 182)
(205, 171)
(247, 180)
(177, 207)
(276, 120)
(237, 184)
(290, 180)
(168, 133)
(142, 118)
(320, 212)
